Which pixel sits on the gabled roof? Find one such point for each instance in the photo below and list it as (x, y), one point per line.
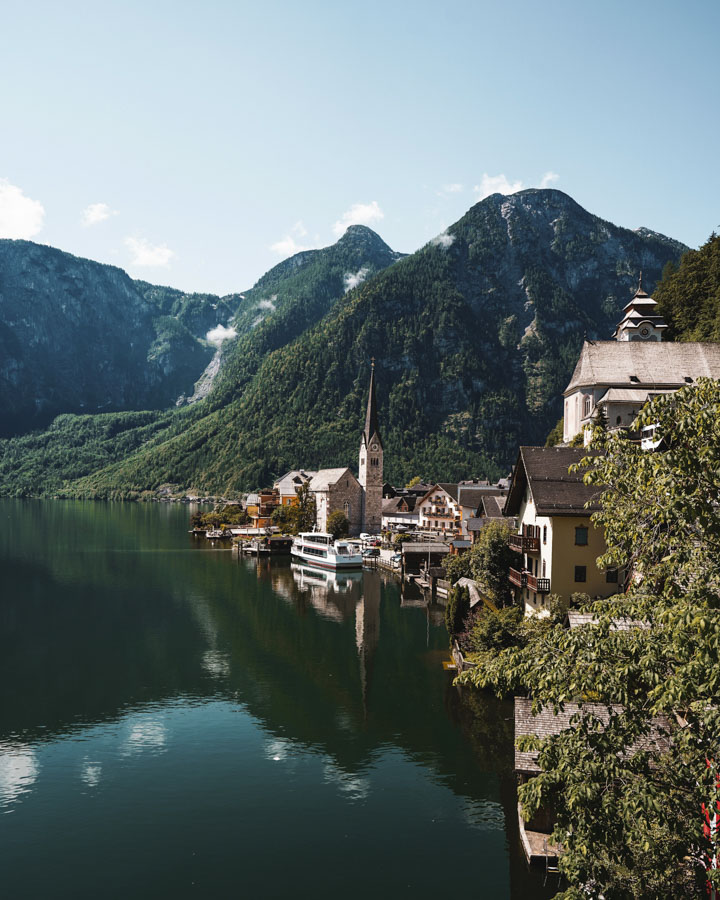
(629, 395)
(547, 723)
(292, 480)
(653, 363)
(325, 478)
(472, 496)
(492, 506)
(554, 490)
(450, 489)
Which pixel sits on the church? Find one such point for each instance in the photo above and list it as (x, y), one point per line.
(359, 499)
(619, 376)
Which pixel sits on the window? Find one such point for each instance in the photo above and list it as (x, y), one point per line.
(362, 460)
(618, 420)
(544, 534)
(581, 536)
(587, 405)
(611, 576)
(543, 574)
(346, 508)
(374, 461)
(580, 573)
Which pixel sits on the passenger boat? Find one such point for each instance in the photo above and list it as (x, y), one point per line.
(323, 550)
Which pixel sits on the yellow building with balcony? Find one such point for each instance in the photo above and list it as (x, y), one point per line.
(557, 540)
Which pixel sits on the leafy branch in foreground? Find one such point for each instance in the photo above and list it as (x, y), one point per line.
(628, 785)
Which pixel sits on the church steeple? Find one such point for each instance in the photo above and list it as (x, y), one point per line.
(371, 419)
(371, 463)
(640, 320)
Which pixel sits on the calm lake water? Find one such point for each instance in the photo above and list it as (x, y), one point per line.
(175, 722)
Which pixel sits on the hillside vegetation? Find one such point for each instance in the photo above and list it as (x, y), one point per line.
(475, 336)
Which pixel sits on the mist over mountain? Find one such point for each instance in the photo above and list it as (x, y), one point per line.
(475, 336)
(80, 336)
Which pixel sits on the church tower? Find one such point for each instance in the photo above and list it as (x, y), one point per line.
(371, 464)
(640, 321)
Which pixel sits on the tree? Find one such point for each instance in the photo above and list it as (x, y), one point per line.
(556, 435)
(337, 524)
(457, 609)
(306, 512)
(631, 820)
(413, 482)
(487, 562)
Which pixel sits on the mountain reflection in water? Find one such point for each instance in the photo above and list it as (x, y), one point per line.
(176, 721)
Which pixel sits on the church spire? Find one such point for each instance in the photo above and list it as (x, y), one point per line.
(371, 419)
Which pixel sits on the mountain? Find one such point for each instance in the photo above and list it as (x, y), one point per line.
(79, 336)
(475, 336)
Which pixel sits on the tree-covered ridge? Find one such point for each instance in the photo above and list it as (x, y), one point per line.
(77, 336)
(689, 294)
(475, 337)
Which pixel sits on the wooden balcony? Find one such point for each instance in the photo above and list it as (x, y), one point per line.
(527, 579)
(539, 585)
(524, 544)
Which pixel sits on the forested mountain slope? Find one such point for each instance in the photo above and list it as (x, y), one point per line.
(475, 336)
(689, 295)
(79, 336)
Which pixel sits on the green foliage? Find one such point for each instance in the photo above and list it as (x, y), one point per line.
(457, 609)
(631, 821)
(337, 524)
(457, 565)
(689, 295)
(223, 516)
(496, 631)
(487, 562)
(293, 387)
(413, 481)
(299, 516)
(555, 436)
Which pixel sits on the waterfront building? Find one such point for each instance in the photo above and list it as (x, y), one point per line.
(337, 489)
(260, 506)
(558, 542)
(289, 484)
(619, 376)
(438, 510)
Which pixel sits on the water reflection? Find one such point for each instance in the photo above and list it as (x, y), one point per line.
(19, 770)
(252, 696)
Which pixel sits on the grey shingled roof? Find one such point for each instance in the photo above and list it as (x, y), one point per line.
(322, 479)
(492, 506)
(629, 395)
(653, 363)
(578, 619)
(546, 724)
(554, 490)
(471, 496)
(451, 489)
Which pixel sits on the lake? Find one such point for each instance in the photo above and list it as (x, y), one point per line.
(177, 722)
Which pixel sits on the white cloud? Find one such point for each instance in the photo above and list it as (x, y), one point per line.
(499, 184)
(96, 213)
(268, 303)
(443, 240)
(220, 333)
(20, 217)
(449, 189)
(287, 246)
(358, 214)
(353, 279)
(496, 184)
(548, 179)
(146, 254)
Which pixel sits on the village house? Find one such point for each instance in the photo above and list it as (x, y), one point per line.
(557, 540)
(621, 375)
(471, 496)
(398, 513)
(438, 510)
(260, 506)
(289, 484)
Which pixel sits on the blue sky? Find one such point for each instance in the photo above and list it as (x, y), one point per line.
(197, 144)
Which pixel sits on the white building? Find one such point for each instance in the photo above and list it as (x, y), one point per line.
(621, 375)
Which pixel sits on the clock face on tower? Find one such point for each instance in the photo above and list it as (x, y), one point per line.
(373, 446)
